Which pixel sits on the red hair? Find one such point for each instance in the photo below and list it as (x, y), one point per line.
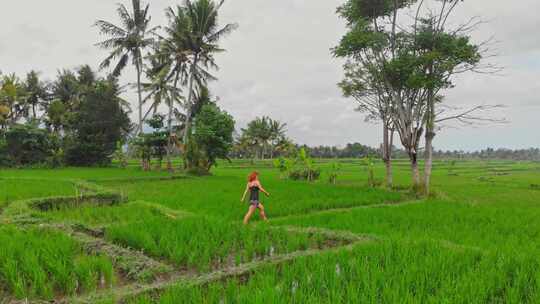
(253, 176)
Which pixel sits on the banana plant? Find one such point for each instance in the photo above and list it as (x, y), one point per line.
(369, 162)
(335, 168)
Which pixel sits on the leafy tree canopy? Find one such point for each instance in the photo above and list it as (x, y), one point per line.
(213, 135)
(354, 10)
(98, 125)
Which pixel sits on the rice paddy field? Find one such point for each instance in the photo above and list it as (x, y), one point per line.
(180, 239)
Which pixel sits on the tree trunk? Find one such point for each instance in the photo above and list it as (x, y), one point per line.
(429, 160)
(387, 156)
(187, 126)
(169, 128)
(416, 174)
(430, 135)
(139, 92)
(152, 109)
(389, 174)
(415, 171)
(169, 142)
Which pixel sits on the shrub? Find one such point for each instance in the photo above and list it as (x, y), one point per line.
(212, 138)
(335, 168)
(369, 162)
(284, 165)
(4, 160)
(120, 155)
(300, 167)
(305, 174)
(27, 145)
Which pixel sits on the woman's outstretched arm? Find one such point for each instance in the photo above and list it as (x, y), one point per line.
(263, 190)
(245, 193)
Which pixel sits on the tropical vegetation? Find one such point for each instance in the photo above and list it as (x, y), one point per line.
(95, 208)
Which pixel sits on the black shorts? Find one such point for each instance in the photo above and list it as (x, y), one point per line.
(255, 204)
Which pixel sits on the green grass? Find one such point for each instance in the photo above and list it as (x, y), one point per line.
(472, 225)
(390, 272)
(20, 189)
(219, 195)
(80, 173)
(42, 264)
(201, 242)
(475, 241)
(104, 215)
(499, 214)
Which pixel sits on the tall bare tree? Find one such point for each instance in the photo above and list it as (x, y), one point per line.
(443, 53)
(396, 71)
(368, 46)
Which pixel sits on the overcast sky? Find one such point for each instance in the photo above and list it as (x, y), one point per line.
(278, 63)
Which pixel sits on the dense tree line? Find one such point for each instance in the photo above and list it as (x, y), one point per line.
(532, 154)
(266, 138)
(354, 150)
(80, 119)
(77, 119)
(357, 150)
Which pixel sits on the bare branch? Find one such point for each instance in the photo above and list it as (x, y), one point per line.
(471, 116)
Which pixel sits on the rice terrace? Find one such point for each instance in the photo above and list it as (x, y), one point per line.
(253, 151)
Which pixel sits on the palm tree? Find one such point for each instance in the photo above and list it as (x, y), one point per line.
(66, 88)
(128, 41)
(161, 90)
(285, 146)
(173, 50)
(259, 133)
(265, 133)
(200, 38)
(277, 131)
(36, 92)
(13, 104)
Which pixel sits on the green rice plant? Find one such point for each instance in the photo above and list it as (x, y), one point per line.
(390, 272)
(204, 243)
(52, 176)
(12, 189)
(476, 243)
(219, 194)
(42, 264)
(3, 205)
(103, 215)
(485, 226)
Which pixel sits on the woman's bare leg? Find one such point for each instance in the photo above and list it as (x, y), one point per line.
(249, 214)
(262, 213)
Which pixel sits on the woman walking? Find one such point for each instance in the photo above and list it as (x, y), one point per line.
(254, 187)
